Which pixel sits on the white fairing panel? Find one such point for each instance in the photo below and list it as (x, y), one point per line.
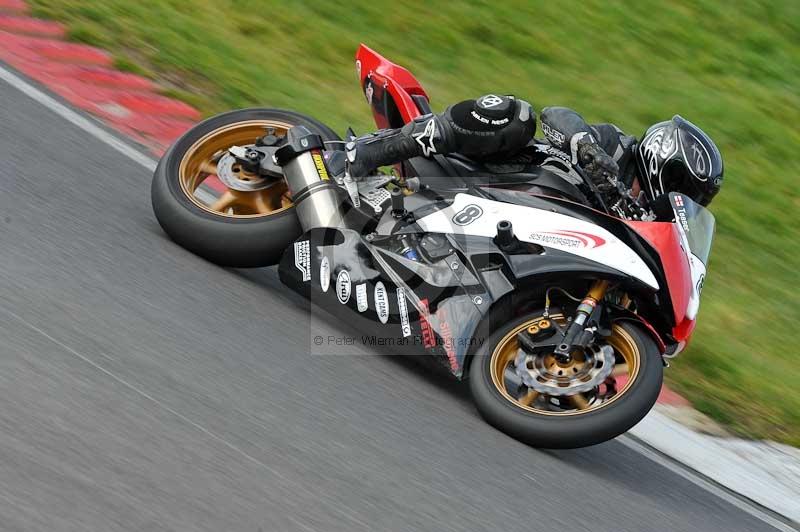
(698, 271)
(471, 215)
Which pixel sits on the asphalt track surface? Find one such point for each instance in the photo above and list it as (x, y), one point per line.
(142, 388)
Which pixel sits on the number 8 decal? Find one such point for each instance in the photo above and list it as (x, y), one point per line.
(467, 215)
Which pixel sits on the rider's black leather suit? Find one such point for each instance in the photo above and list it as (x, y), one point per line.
(489, 128)
(494, 129)
(565, 129)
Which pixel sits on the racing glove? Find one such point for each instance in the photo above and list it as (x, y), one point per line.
(597, 164)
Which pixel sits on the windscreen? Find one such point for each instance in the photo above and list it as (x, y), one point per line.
(697, 223)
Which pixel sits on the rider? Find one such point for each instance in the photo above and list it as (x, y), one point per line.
(674, 155)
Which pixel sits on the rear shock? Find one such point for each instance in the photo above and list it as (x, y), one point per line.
(314, 194)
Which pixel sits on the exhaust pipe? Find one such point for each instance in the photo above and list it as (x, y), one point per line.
(314, 194)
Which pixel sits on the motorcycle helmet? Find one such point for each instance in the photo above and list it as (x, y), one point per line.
(677, 156)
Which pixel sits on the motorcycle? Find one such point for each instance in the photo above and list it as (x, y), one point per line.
(559, 314)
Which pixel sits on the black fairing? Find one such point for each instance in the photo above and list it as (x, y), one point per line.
(457, 288)
(444, 303)
(456, 172)
(616, 226)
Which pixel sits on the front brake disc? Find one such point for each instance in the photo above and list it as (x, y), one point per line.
(543, 373)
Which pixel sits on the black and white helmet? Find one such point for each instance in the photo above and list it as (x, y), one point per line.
(676, 156)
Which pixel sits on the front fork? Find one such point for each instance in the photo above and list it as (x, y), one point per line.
(577, 335)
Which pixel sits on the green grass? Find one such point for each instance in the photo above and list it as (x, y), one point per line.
(732, 68)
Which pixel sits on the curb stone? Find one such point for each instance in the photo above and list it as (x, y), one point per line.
(85, 77)
(765, 472)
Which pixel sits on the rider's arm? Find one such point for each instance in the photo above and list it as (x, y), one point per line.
(564, 127)
(619, 146)
(569, 132)
(490, 127)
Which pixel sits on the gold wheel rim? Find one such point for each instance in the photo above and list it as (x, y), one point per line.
(197, 173)
(625, 372)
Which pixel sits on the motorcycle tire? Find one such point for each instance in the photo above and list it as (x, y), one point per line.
(240, 232)
(565, 429)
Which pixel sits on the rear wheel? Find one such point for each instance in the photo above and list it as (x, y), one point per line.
(598, 395)
(228, 226)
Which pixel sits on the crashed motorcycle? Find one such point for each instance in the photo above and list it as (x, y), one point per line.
(560, 313)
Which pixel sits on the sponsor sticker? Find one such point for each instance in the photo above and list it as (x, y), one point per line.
(680, 211)
(343, 286)
(682, 218)
(447, 338)
(324, 274)
(302, 259)
(568, 239)
(320, 164)
(428, 338)
(381, 302)
(405, 324)
(362, 300)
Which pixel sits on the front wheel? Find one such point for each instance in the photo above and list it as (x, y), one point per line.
(598, 395)
(247, 224)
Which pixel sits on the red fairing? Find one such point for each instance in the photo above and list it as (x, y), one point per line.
(653, 332)
(664, 237)
(684, 330)
(399, 82)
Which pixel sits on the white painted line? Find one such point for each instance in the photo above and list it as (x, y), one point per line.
(76, 119)
(88, 126)
(710, 487)
(99, 133)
